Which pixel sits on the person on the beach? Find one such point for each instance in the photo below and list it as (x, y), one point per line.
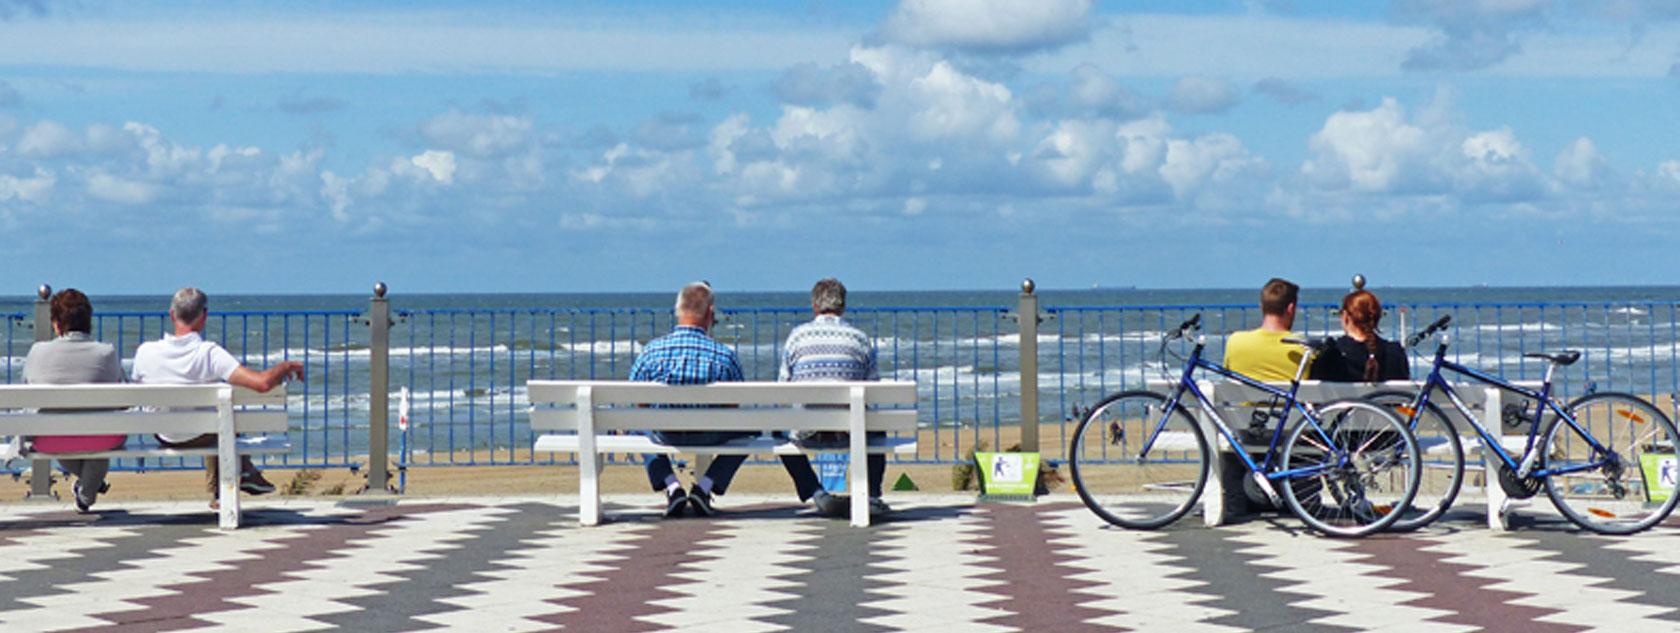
(1360, 355)
(689, 356)
(1260, 353)
(830, 349)
(185, 358)
(72, 357)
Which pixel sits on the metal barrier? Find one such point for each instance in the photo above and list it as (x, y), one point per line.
(1628, 346)
(466, 368)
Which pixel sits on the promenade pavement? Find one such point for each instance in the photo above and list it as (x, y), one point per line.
(941, 563)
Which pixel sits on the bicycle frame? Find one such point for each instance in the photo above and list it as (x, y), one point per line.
(1542, 395)
(1187, 383)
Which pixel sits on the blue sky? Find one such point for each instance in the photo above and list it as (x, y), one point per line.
(912, 144)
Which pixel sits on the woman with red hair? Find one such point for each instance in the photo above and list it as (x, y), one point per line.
(1361, 355)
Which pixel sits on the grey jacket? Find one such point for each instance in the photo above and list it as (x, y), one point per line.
(73, 358)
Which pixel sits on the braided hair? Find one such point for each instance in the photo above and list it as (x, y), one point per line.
(1363, 312)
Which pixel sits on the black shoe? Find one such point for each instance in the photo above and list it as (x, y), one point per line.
(253, 483)
(104, 487)
(831, 505)
(701, 502)
(675, 502)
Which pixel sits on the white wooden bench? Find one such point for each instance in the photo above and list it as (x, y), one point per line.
(125, 409)
(1237, 401)
(589, 418)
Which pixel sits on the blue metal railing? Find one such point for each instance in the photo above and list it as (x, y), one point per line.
(467, 369)
(1628, 346)
(328, 409)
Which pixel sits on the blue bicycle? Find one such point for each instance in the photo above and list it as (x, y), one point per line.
(1607, 459)
(1140, 461)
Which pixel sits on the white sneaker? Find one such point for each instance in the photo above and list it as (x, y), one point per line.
(828, 504)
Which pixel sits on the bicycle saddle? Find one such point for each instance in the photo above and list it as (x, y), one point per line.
(1315, 343)
(1561, 359)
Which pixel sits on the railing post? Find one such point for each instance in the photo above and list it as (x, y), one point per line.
(40, 470)
(379, 390)
(1026, 313)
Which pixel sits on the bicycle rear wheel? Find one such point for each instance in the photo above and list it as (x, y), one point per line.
(1442, 456)
(1357, 468)
(1122, 482)
(1628, 493)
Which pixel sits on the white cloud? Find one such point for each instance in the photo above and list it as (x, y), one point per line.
(1370, 151)
(47, 139)
(1497, 168)
(1202, 95)
(440, 165)
(1097, 93)
(956, 105)
(34, 189)
(484, 135)
(914, 206)
(1670, 170)
(989, 26)
(1214, 159)
(1580, 165)
(103, 186)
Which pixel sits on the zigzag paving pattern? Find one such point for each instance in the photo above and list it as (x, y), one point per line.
(939, 563)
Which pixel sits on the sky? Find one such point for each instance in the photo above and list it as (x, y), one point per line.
(317, 147)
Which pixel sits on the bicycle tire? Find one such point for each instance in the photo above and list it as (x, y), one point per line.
(1337, 500)
(1128, 489)
(1438, 483)
(1604, 507)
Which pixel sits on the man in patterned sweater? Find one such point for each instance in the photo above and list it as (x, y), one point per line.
(830, 349)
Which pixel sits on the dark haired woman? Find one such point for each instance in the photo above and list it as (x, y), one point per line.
(1361, 355)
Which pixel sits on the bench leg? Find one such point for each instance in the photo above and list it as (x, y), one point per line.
(227, 475)
(1214, 508)
(859, 470)
(1493, 408)
(589, 488)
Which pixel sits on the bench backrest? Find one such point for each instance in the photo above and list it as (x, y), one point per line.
(129, 408)
(737, 406)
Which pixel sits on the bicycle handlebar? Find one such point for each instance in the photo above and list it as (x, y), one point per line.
(1438, 325)
(1184, 329)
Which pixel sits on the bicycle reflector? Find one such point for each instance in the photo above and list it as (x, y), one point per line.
(1631, 415)
(1599, 512)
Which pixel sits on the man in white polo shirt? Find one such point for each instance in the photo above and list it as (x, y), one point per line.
(185, 358)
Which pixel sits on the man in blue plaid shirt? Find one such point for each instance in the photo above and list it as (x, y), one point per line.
(688, 356)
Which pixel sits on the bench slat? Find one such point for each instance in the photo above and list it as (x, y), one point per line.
(127, 395)
(621, 393)
(262, 445)
(749, 446)
(723, 420)
(128, 422)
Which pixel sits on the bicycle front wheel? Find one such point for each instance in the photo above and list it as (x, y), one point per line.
(1442, 456)
(1353, 471)
(1137, 464)
(1632, 484)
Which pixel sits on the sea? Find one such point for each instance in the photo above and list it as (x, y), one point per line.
(460, 361)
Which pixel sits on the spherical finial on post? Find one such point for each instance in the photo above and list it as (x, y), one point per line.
(44, 292)
(1358, 282)
(379, 289)
(1027, 285)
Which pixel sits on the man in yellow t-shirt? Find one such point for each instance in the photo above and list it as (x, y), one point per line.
(1261, 353)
